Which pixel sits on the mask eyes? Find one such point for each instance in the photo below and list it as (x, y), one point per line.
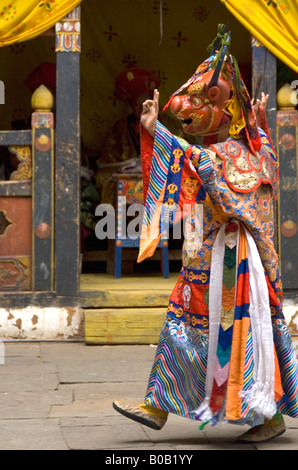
(197, 102)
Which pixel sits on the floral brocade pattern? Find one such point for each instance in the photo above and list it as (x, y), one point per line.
(254, 208)
(186, 337)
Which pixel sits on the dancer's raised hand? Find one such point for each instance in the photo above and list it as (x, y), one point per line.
(149, 113)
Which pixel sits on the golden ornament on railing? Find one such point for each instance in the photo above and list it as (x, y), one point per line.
(42, 99)
(284, 97)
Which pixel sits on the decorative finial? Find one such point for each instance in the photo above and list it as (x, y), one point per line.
(284, 96)
(42, 99)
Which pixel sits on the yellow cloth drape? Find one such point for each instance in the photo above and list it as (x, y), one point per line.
(21, 20)
(273, 23)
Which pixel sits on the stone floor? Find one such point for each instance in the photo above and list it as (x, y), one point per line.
(58, 396)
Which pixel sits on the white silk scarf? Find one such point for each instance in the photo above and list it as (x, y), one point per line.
(261, 396)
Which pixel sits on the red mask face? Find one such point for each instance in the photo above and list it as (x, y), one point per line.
(201, 110)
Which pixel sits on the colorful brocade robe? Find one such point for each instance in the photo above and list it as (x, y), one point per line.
(224, 352)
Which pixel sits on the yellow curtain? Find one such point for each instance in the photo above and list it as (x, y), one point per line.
(25, 19)
(273, 23)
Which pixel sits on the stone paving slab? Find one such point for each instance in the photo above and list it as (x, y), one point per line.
(28, 377)
(58, 396)
(36, 404)
(31, 434)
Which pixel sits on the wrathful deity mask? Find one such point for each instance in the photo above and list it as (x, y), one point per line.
(216, 98)
(203, 109)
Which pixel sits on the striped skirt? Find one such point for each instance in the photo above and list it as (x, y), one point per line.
(225, 352)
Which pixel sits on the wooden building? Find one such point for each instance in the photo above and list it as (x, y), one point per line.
(43, 293)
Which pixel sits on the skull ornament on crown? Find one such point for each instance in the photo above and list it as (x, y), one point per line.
(217, 97)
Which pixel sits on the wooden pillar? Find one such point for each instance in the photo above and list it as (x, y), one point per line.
(67, 190)
(287, 149)
(42, 123)
(264, 79)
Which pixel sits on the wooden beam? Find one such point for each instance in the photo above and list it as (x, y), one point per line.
(8, 138)
(123, 326)
(15, 188)
(68, 141)
(264, 72)
(16, 300)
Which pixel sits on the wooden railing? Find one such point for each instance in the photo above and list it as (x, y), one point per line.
(26, 203)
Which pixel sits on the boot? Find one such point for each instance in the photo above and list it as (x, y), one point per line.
(141, 415)
(265, 432)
